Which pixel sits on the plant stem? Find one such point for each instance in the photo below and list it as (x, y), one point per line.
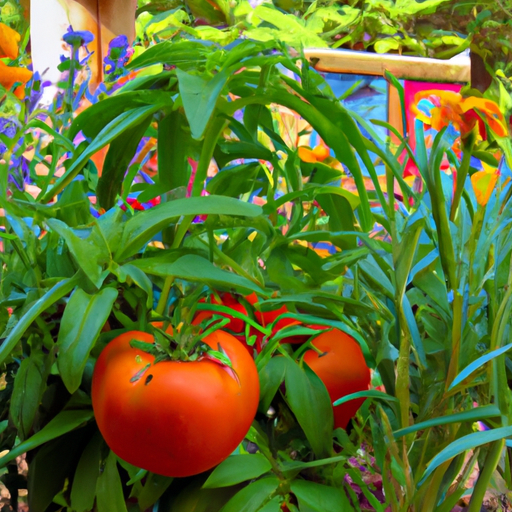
(482, 484)
(164, 296)
(462, 172)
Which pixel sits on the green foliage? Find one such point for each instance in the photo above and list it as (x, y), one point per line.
(421, 281)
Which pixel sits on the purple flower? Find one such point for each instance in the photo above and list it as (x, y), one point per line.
(7, 128)
(118, 56)
(77, 38)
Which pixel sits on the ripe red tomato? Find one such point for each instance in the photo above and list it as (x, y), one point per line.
(342, 369)
(178, 418)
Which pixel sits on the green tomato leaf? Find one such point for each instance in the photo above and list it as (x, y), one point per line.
(309, 401)
(109, 490)
(52, 464)
(86, 252)
(236, 469)
(64, 422)
(109, 133)
(120, 153)
(172, 53)
(199, 98)
(315, 497)
(271, 377)
(54, 294)
(252, 497)
(173, 142)
(29, 386)
(154, 487)
(82, 321)
(128, 273)
(194, 268)
(143, 226)
(83, 490)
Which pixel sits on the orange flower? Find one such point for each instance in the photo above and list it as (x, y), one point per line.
(441, 108)
(10, 75)
(9, 40)
(318, 154)
(484, 182)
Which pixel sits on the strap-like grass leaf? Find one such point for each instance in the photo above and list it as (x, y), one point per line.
(469, 442)
(371, 393)
(464, 374)
(476, 414)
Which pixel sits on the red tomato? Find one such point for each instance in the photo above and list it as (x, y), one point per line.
(342, 369)
(178, 418)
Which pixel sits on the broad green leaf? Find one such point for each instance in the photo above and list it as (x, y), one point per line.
(468, 442)
(64, 422)
(195, 268)
(292, 30)
(252, 497)
(56, 293)
(339, 209)
(51, 465)
(172, 53)
(315, 497)
(141, 228)
(199, 98)
(73, 206)
(475, 365)
(120, 153)
(94, 118)
(129, 273)
(309, 401)
(374, 273)
(109, 490)
(83, 490)
(274, 505)
(154, 487)
(236, 469)
(173, 139)
(109, 133)
(476, 414)
(271, 377)
(82, 321)
(86, 252)
(29, 386)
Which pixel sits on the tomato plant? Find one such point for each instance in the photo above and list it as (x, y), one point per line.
(174, 418)
(342, 368)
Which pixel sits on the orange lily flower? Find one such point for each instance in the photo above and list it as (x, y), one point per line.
(448, 107)
(9, 40)
(9, 75)
(484, 182)
(318, 154)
